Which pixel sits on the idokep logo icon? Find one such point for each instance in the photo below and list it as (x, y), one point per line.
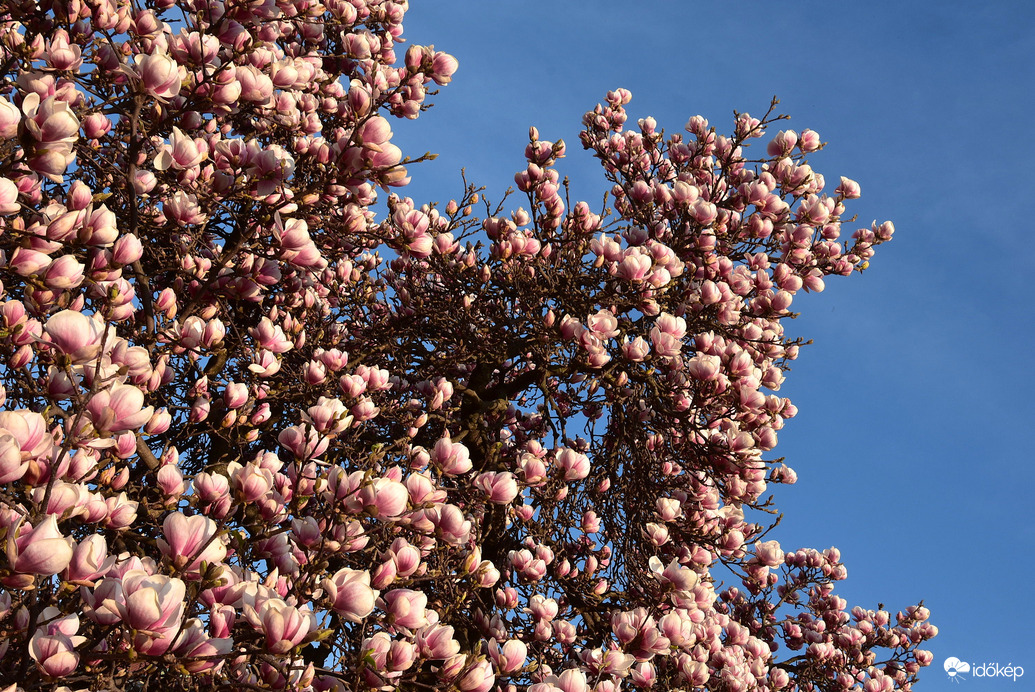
(955, 668)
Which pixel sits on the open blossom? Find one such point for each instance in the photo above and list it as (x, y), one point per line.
(119, 408)
(183, 208)
(206, 652)
(679, 577)
(406, 608)
(39, 550)
(89, 560)
(23, 437)
(182, 152)
(75, 335)
(159, 74)
(452, 457)
(9, 197)
(54, 129)
(55, 653)
(500, 488)
(478, 678)
(153, 605)
(384, 497)
(122, 511)
(189, 541)
(64, 273)
(350, 594)
(10, 116)
(450, 524)
(575, 465)
(12, 465)
(603, 324)
(283, 625)
(510, 657)
(444, 66)
(769, 553)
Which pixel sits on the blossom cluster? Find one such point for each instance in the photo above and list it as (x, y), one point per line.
(257, 434)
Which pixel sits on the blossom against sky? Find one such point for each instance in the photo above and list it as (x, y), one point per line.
(911, 445)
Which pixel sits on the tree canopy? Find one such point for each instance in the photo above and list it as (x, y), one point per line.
(267, 424)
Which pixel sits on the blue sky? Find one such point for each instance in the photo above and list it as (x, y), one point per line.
(913, 443)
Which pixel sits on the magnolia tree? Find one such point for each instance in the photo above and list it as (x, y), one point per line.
(258, 433)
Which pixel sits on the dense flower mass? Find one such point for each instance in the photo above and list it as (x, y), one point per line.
(256, 433)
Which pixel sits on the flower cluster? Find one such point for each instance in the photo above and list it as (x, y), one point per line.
(255, 436)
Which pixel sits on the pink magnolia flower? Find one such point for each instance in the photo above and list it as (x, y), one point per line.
(9, 197)
(10, 116)
(849, 189)
(154, 606)
(127, 249)
(350, 594)
(634, 267)
(450, 524)
(499, 488)
(769, 553)
(669, 324)
(543, 608)
(184, 209)
(665, 344)
(574, 464)
(283, 625)
(119, 409)
(256, 87)
(29, 433)
(436, 642)
(809, 141)
(144, 182)
(452, 458)
(443, 66)
(270, 337)
(533, 469)
(28, 262)
(303, 442)
(571, 680)
(189, 541)
(478, 678)
(55, 653)
(12, 465)
(679, 577)
(510, 657)
(328, 415)
(235, 395)
(64, 273)
(782, 143)
(213, 493)
(41, 550)
(668, 508)
(603, 324)
(195, 643)
(181, 152)
(89, 560)
(54, 127)
(407, 558)
(96, 125)
(704, 367)
(251, 481)
(159, 74)
(122, 511)
(406, 608)
(384, 497)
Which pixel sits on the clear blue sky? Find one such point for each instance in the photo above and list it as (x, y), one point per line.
(914, 442)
